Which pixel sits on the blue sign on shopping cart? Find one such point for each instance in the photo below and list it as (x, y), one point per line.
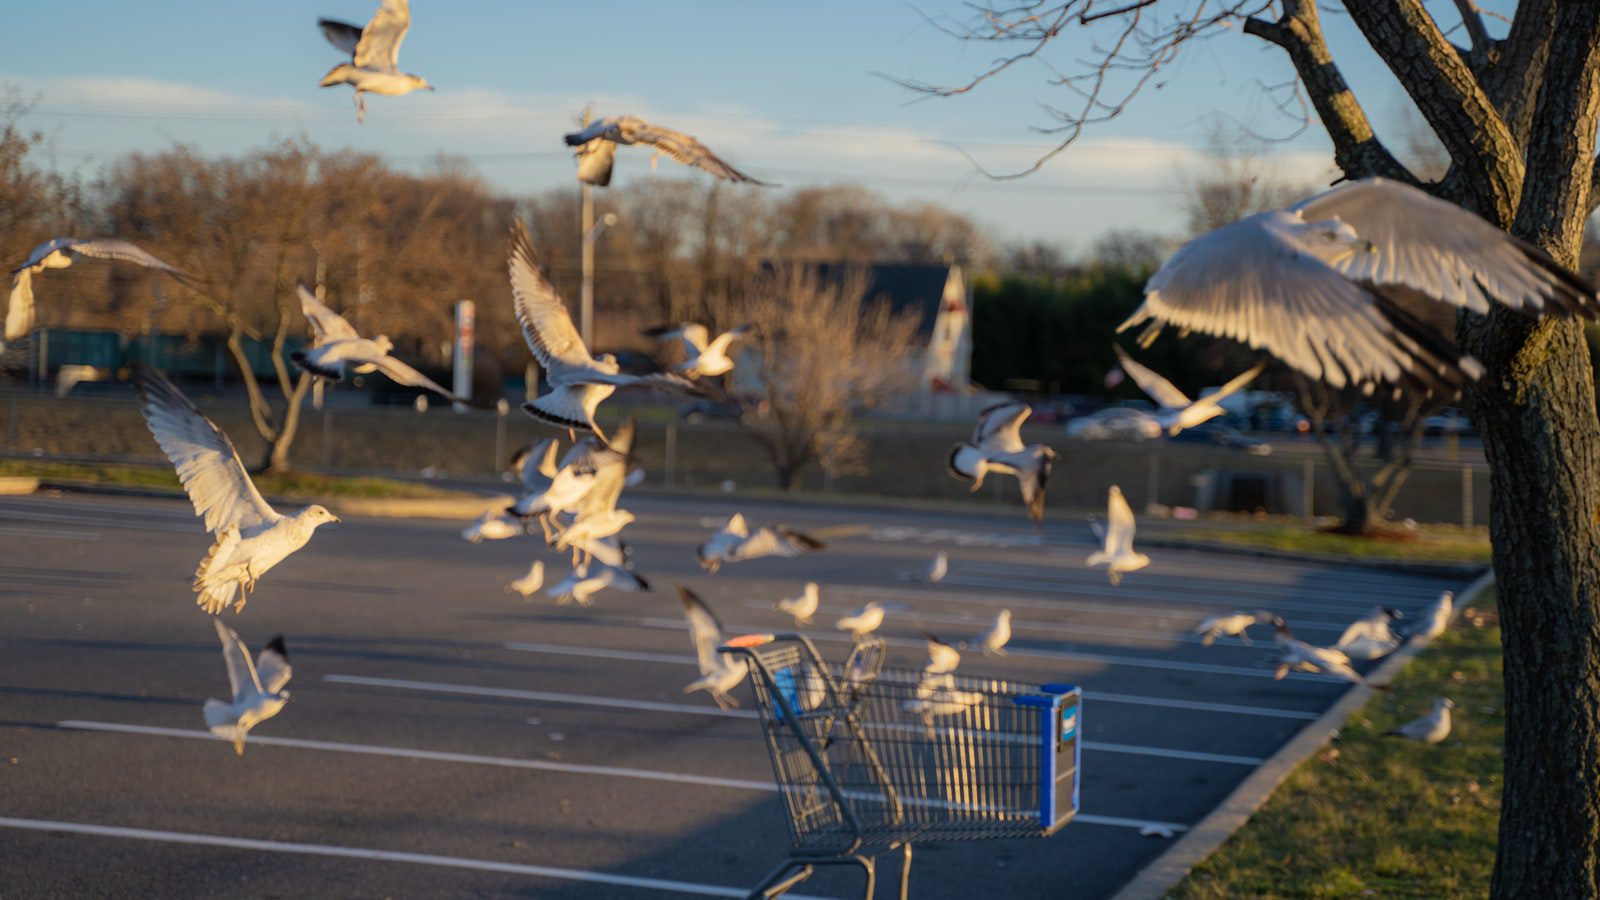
(789, 686)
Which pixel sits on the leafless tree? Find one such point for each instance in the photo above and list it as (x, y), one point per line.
(821, 359)
(1517, 116)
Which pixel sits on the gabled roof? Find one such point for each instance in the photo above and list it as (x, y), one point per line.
(917, 290)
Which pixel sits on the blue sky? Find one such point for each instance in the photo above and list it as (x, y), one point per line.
(790, 92)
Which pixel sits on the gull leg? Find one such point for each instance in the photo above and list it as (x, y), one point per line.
(361, 107)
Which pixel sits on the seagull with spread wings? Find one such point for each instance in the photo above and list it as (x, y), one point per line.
(704, 357)
(60, 253)
(720, 673)
(338, 348)
(1325, 285)
(1177, 410)
(1299, 656)
(257, 688)
(597, 149)
(374, 66)
(1118, 555)
(734, 542)
(588, 580)
(579, 381)
(997, 447)
(251, 537)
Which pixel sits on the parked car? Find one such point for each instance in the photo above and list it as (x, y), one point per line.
(1115, 424)
(1220, 435)
(732, 409)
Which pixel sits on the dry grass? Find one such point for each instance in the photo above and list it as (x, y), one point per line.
(1429, 543)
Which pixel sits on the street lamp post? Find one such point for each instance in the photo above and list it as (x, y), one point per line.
(591, 230)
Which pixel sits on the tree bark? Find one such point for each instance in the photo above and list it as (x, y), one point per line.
(1536, 409)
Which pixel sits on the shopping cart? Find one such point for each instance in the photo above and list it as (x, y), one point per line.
(870, 760)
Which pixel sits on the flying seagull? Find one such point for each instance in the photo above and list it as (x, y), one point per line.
(1431, 728)
(720, 673)
(704, 357)
(1302, 657)
(1232, 625)
(995, 639)
(597, 149)
(338, 347)
(1177, 410)
(734, 542)
(933, 572)
(529, 584)
(941, 700)
(578, 380)
(1370, 637)
(1118, 555)
(251, 536)
(1316, 285)
(257, 689)
(942, 658)
(59, 254)
(586, 581)
(493, 526)
(374, 55)
(997, 447)
(802, 607)
(1434, 621)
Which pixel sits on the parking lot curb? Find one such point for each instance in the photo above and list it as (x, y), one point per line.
(17, 485)
(370, 507)
(1198, 843)
(1409, 567)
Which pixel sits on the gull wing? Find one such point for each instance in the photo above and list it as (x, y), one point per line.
(19, 312)
(328, 325)
(272, 665)
(379, 46)
(705, 630)
(681, 147)
(546, 324)
(341, 35)
(1444, 251)
(726, 339)
(1251, 282)
(207, 464)
(999, 428)
(692, 335)
(776, 540)
(536, 463)
(1162, 391)
(401, 373)
(104, 248)
(242, 676)
(1119, 523)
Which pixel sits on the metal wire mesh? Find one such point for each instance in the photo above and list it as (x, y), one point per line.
(893, 755)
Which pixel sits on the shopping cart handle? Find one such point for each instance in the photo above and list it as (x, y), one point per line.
(745, 641)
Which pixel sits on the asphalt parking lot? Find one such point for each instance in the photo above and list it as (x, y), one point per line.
(446, 738)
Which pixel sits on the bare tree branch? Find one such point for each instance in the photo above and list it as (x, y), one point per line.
(1447, 93)
(1472, 20)
(1356, 149)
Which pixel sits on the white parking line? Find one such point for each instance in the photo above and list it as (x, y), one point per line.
(513, 763)
(1235, 593)
(1102, 696)
(685, 709)
(363, 853)
(1137, 662)
(55, 534)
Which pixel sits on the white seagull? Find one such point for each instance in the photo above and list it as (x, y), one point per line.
(1177, 410)
(1231, 624)
(942, 700)
(529, 584)
(1431, 728)
(704, 357)
(592, 529)
(1118, 555)
(60, 253)
(1302, 657)
(997, 447)
(1434, 621)
(802, 607)
(586, 581)
(578, 380)
(933, 572)
(251, 536)
(338, 347)
(257, 689)
(942, 658)
(1370, 637)
(863, 621)
(995, 639)
(374, 66)
(734, 542)
(720, 673)
(1315, 285)
(493, 526)
(597, 149)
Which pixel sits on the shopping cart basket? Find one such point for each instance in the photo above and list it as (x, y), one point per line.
(870, 759)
